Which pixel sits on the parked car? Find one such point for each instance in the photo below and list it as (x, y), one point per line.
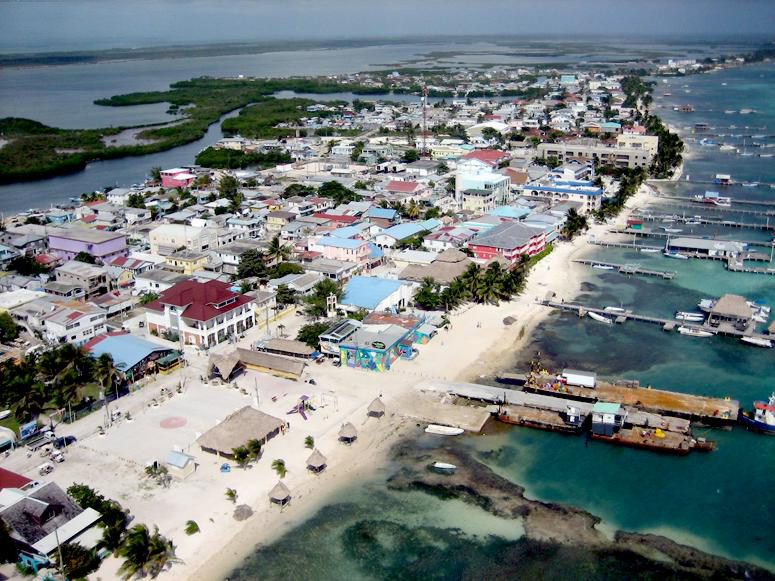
(64, 441)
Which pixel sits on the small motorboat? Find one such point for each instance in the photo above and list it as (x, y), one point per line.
(727, 147)
(673, 254)
(730, 111)
(649, 250)
(617, 310)
(671, 230)
(750, 184)
(443, 467)
(706, 305)
(692, 222)
(692, 332)
(690, 317)
(443, 430)
(603, 266)
(757, 342)
(600, 318)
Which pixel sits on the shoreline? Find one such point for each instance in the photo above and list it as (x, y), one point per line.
(477, 341)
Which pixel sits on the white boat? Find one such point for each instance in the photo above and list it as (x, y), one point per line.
(677, 255)
(443, 430)
(5, 414)
(692, 222)
(690, 317)
(600, 318)
(727, 147)
(730, 111)
(444, 467)
(723, 202)
(617, 310)
(766, 155)
(671, 230)
(746, 111)
(694, 332)
(757, 341)
(650, 250)
(602, 266)
(706, 305)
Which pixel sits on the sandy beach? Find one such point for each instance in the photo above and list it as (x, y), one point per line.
(476, 343)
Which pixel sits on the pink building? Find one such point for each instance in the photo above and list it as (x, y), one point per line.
(349, 249)
(510, 240)
(177, 178)
(103, 245)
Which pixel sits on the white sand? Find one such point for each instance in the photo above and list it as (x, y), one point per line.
(476, 343)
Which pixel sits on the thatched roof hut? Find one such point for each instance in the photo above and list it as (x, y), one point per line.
(280, 494)
(224, 363)
(245, 424)
(376, 408)
(316, 461)
(348, 433)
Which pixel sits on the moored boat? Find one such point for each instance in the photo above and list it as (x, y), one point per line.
(649, 250)
(706, 305)
(757, 342)
(674, 254)
(762, 419)
(692, 332)
(443, 430)
(443, 467)
(603, 266)
(618, 310)
(690, 317)
(600, 318)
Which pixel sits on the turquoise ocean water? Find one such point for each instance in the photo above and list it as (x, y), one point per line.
(722, 502)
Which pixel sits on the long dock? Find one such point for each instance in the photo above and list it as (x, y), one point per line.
(627, 268)
(654, 234)
(703, 221)
(639, 428)
(671, 403)
(666, 324)
(720, 209)
(631, 245)
(734, 200)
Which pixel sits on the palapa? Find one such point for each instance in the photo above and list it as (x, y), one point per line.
(280, 494)
(348, 432)
(225, 363)
(376, 408)
(316, 461)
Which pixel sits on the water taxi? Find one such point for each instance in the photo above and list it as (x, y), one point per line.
(443, 430)
(757, 342)
(762, 419)
(600, 318)
(692, 332)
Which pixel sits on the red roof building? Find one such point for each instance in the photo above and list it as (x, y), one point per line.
(491, 156)
(200, 313)
(338, 220)
(399, 187)
(10, 479)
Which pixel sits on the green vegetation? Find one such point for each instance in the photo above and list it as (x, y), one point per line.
(252, 264)
(85, 257)
(77, 561)
(309, 442)
(191, 527)
(310, 334)
(279, 467)
(316, 301)
(575, 223)
(285, 268)
(145, 553)
(221, 158)
(285, 295)
(629, 182)
(148, 297)
(9, 330)
(231, 495)
(480, 285)
(27, 266)
(339, 193)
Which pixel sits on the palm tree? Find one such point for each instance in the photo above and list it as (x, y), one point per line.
(279, 467)
(309, 442)
(254, 448)
(191, 527)
(413, 210)
(112, 536)
(491, 287)
(277, 251)
(32, 402)
(241, 456)
(231, 494)
(105, 372)
(155, 173)
(161, 552)
(136, 552)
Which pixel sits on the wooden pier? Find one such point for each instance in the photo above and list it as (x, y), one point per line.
(666, 324)
(703, 221)
(721, 209)
(628, 268)
(734, 200)
(655, 234)
(640, 429)
(630, 245)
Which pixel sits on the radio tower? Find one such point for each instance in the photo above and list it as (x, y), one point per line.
(424, 117)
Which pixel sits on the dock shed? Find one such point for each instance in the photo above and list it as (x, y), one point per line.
(731, 310)
(607, 418)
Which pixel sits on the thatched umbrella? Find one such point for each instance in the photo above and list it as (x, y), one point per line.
(348, 433)
(280, 494)
(376, 408)
(316, 461)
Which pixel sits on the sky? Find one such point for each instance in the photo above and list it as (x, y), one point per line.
(97, 24)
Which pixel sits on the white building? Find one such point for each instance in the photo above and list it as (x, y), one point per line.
(167, 238)
(74, 324)
(474, 174)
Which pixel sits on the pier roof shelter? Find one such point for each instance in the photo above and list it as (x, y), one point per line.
(277, 365)
(131, 355)
(731, 310)
(719, 248)
(245, 424)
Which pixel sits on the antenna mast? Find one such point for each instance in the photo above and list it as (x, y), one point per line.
(424, 117)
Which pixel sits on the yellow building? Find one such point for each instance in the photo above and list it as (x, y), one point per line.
(186, 261)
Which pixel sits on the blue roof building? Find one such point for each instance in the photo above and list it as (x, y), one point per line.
(406, 230)
(372, 293)
(514, 212)
(129, 353)
(382, 213)
(349, 231)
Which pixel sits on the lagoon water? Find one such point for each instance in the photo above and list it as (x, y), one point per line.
(722, 502)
